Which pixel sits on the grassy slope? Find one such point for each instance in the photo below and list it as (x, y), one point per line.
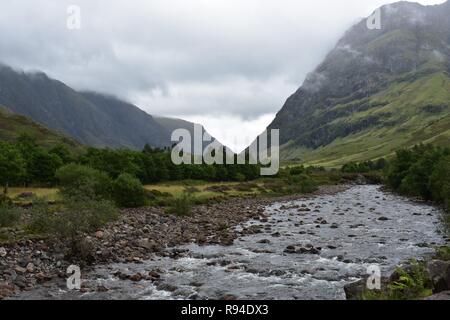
(408, 121)
(12, 126)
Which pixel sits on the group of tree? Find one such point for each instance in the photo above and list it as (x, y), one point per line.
(25, 163)
(423, 171)
(364, 167)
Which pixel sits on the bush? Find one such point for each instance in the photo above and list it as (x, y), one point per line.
(181, 206)
(412, 284)
(5, 200)
(423, 171)
(128, 192)
(409, 284)
(307, 184)
(81, 181)
(440, 182)
(443, 253)
(69, 224)
(9, 215)
(297, 171)
(41, 217)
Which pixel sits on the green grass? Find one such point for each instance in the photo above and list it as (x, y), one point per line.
(406, 123)
(201, 194)
(47, 193)
(13, 125)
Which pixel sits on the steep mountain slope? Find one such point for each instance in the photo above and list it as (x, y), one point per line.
(171, 124)
(92, 119)
(377, 91)
(13, 125)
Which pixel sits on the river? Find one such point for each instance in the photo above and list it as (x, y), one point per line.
(341, 236)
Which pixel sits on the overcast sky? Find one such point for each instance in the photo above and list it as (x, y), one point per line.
(228, 64)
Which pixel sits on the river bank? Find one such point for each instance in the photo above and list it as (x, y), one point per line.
(138, 235)
(292, 248)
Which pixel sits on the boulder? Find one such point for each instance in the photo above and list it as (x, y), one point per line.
(439, 272)
(136, 277)
(354, 290)
(444, 295)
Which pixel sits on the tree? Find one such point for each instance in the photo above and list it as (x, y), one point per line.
(440, 181)
(12, 165)
(128, 191)
(43, 166)
(63, 152)
(76, 179)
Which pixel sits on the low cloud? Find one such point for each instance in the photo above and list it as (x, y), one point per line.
(221, 61)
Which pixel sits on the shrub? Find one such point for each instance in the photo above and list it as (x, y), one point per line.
(422, 171)
(5, 200)
(307, 184)
(239, 177)
(181, 206)
(9, 215)
(128, 192)
(297, 170)
(414, 284)
(81, 181)
(42, 219)
(443, 253)
(407, 284)
(69, 224)
(440, 182)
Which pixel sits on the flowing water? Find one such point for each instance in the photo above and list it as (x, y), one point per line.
(363, 226)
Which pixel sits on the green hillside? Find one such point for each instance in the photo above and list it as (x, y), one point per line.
(411, 112)
(376, 92)
(12, 126)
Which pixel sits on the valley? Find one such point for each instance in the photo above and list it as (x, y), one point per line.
(91, 181)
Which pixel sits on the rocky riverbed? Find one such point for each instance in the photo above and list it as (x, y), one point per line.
(292, 248)
(138, 235)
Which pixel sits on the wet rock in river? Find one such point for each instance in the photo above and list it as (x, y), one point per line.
(276, 235)
(307, 249)
(102, 289)
(166, 287)
(136, 277)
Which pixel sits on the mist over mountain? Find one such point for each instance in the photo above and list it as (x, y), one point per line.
(376, 91)
(91, 118)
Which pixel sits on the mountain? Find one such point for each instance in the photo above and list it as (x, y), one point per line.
(92, 119)
(13, 125)
(171, 124)
(375, 92)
